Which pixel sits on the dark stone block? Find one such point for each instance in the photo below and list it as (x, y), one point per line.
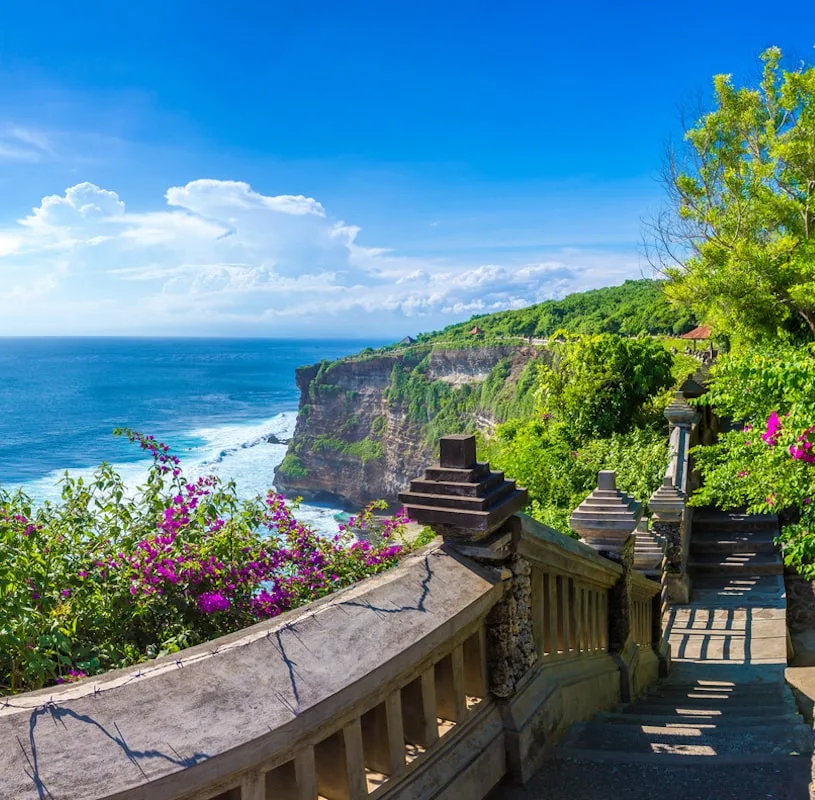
(450, 475)
(470, 489)
(457, 451)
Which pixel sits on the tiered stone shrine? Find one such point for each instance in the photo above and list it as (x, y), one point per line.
(680, 413)
(462, 497)
(607, 517)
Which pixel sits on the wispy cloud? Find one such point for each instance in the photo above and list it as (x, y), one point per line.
(24, 144)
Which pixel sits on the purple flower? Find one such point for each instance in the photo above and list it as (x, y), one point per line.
(210, 602)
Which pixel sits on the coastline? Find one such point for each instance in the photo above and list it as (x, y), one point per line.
(238, 451)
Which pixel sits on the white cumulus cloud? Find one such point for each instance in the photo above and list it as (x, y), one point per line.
(220, 257)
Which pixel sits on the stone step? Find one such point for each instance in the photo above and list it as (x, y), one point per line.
(589, 775)
(734, 739)
(736, 564)
(708, 721)
(773, 702)
(779, 695)
(705, 520)
(725, 713)
(762, 542)
(723, 692)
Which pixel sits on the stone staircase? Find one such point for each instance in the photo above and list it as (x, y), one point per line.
(724, 724)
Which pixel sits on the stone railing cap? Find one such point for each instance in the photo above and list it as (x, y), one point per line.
(679, 412)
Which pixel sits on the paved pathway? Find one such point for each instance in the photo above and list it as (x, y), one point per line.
(724, 724)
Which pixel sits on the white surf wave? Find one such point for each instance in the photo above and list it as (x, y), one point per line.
(238, 452)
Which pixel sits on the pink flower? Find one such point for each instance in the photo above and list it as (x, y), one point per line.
(770, 436)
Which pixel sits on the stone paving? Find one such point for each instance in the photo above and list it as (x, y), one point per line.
(724, 724)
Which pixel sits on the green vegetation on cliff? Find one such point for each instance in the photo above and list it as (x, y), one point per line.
(634, 308)
(440, 407)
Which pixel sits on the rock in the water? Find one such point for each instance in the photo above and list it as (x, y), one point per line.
(272, 439)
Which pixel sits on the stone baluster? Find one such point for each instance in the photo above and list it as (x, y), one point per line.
(472, 508)
(606, 520)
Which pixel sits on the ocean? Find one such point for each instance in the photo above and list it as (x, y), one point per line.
(214, 401)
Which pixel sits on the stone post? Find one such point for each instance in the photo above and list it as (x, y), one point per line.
(606, 521)
(667, 505)
(473, 509)
(681, 418)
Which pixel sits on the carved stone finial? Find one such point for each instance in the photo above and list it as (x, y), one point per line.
(667, 502)
(607, 517)
(679, 413)
(649, 549)
(462, 498)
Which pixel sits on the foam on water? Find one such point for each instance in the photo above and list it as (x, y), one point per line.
(239, 452)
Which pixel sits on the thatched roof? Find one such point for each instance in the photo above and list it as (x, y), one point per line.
(702, 332)
(475, 331)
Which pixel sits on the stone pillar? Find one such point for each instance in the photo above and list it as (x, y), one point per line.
(473, 509)
(606, 521)
(680, 416)
(668, 507)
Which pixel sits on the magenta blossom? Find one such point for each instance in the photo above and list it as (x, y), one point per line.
(770, 436)
(210, 602)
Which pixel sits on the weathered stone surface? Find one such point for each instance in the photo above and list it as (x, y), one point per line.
(619, 601)
(671, 532)
(174, 725)
(511, 650)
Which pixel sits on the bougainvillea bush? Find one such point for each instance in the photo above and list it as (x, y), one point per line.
(104, 578)
(766, 462)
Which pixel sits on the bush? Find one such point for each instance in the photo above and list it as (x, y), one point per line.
(766, 463)
(102, 580)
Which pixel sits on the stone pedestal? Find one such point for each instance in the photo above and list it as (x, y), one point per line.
(461, 498)
(607, 517)
(679, 413)
(473, 508)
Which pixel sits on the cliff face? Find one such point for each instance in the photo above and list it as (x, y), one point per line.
(366, 426)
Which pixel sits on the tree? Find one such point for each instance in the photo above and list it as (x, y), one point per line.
(596, 385)
(738, 239)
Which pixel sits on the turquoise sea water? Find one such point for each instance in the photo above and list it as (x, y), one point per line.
(214, 401)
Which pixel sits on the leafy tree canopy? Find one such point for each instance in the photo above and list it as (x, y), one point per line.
(737, 242)
(596, 385)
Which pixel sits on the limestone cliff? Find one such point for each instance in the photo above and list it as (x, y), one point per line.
(368, 424)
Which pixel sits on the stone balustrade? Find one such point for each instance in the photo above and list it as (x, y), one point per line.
(435, 679)
(672, 518)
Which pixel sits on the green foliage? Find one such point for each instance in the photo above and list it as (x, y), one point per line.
(634, 308)
(364, 449)
(105, 578)
(378, 425)
(741, 220)
(559, 477)
(766, 462)
(596, 385)
(292, 465)
(442, 408)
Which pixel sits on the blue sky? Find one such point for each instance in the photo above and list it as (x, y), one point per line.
(343, 168)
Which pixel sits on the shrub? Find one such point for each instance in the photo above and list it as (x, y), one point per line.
(104, 579)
